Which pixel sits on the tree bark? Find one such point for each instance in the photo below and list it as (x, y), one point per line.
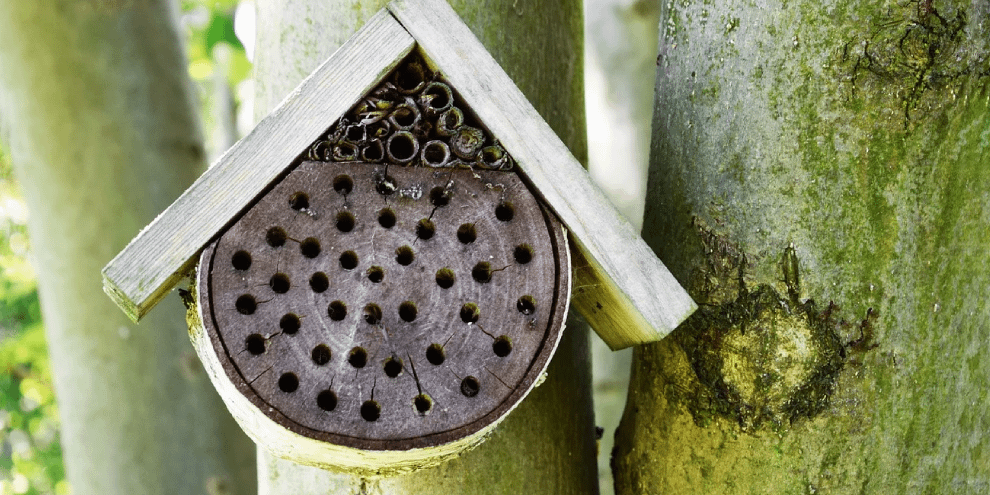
(547, 444)
(857, 133)
(103, 135)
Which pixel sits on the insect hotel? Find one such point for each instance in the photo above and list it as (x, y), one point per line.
(382, 268)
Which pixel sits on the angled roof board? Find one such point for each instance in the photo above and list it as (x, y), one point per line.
(622, 289)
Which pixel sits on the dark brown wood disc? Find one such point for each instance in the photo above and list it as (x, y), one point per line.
(386, 307)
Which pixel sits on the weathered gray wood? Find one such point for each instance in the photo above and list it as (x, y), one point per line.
(158, 257)
(620, 286)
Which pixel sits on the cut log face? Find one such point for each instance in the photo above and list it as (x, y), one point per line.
(404, 292)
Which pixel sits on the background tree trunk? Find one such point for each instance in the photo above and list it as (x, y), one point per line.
(620, 55)
(546, 445)
(858, 132)
(103, 136)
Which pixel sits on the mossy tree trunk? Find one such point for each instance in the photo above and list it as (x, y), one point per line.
(102, 131)
(819, 183)
(546, 445)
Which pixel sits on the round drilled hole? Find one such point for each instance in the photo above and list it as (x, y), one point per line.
(435, 354)
(279, 283)
(470, 313)
(404, 255)
(425, 229)
(319, 282)
(392, 367)
(255, 344)
(288, 382)
(385, 185)
(423, 404)
(275, 237)
(310, 247)
(502, 346)
(246, 305)
(289, 324)
(482, 272)
(299, 201)
(470, 386)
(345, 221)
(348, 260)
(326, 400)
(466, 233)
(241, 260)
(440, 196)
(372, 313)
(337, 310)
(358, 357)
(376, 274)
(408, 311)
(343, 184)
(523, 254)
(321, 354)
(526, 305)
(445, 278)
(386, 218)
(370, 410)
(505, 211)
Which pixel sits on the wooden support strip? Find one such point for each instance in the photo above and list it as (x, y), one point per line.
(158, 257)
(628, 295)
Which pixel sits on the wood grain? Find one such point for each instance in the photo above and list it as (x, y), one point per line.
(157, 258)
(628, 295)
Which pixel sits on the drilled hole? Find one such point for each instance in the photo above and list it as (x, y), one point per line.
(435, 354)
(482, 272)
(385, 185)
(445, 278)
(358, 357)
(425, 229)
(440, 196)
(386, 218)
(376, 274)
(241, 260)
(276, 237)
(321, 354)
(523, 254)
(502, 346)
(372, 313)
(526, 305)
(393, 367)
(279, 283)
(466, 233)
(299, 201)
(470, 386)
(505, 211)
(408, 311)
(423, 404)
(345, 221)
(319, 282)
(310, 247)
(288, 382)
(337, 310)
(370, 410)
(343, 184)
(326, 400)
(289, 324)
(404, 255)
(470, 313)
(348, 260)
(246, 304)
(255, 344)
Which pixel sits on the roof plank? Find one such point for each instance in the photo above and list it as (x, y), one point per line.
(150, 266)
(621, 287)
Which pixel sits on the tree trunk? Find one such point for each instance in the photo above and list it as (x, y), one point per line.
(547, 444)
(103, 136)
(833, 152)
